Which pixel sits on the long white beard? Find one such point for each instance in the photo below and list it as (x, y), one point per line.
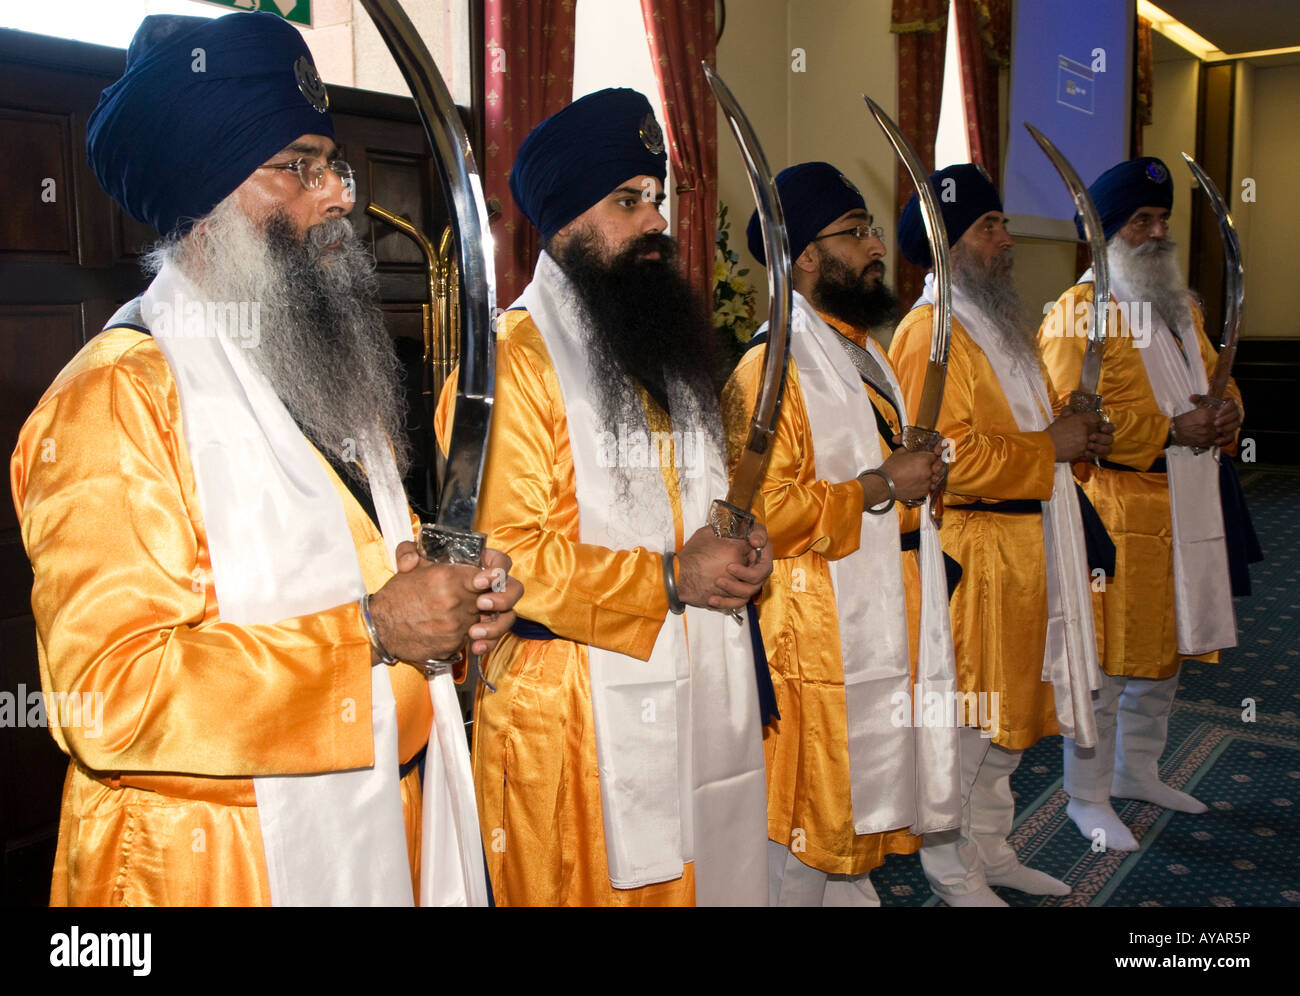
(1150, 274)
(991, 289)
(320, 340)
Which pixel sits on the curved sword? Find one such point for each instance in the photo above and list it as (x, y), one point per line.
(922, 434)
(1235, 290)
(1086, 398)
(731, 517)
(452, 539)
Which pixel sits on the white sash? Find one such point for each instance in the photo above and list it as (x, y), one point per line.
(900, 776)
(678, 742)
(1202, 596)
(1070, 649)
(281, 548)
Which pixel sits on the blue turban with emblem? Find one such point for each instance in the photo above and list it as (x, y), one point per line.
(582, 153)
(965, 195)
(1126, 187)
(202, 104)
(812, 196)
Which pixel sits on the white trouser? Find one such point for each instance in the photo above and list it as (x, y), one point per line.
(956, 861)
(1132, 727)
(793, 883)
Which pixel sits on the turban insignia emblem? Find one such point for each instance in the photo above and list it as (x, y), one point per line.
(1157, 173)
(652, 136)
(310, 84)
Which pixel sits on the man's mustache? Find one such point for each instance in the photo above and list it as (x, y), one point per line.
(875, 267)
(1155, 245)
(651, 242)
(329, 232)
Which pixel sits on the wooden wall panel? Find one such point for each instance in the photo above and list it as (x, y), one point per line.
(40, 202)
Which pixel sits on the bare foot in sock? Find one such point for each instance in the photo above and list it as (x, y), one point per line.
(983, 896)
(1027, 880)
(1157, 792)
(1098, 822)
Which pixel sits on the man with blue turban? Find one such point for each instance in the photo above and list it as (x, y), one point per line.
(210, 494)
(618, 759)
(1021, 617)
(1158, 493)
(843, 615)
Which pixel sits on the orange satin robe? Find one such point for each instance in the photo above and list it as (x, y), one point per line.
(999, 611)
(534, 742)
(1134, 616)
(811, 522)
(158, 805)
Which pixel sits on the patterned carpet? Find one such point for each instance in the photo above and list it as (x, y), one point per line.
(1246, 767)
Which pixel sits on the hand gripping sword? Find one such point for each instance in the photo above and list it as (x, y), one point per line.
(731, 517)
(1086, 398)
(922, 435)
(451, 539)
(1236, 297)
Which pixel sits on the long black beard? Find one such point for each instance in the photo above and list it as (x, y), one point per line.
(647, 325)
(851, 297)
(322, 345)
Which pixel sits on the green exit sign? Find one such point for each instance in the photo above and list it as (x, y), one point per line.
(297, 11)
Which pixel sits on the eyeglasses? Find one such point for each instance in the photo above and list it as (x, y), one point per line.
(859, 232)
(311, 174)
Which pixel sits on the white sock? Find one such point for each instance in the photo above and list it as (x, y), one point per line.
(1029, 881)
(1158, 792)
(983, 896)
(1098, 822)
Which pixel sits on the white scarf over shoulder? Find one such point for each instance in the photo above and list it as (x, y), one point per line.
(678, 740)
(900, 775)
(281, 548)
(1070, 650)
(1203, 613)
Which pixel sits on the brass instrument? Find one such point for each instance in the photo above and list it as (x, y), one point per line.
(440, 319)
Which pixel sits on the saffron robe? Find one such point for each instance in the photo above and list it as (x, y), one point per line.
(999, 611)
(811, 522)
(1134, 615)
(159, 807)
(534, 744)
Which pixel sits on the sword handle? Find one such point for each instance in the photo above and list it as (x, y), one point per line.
(1214, 403)
(730, 522)
(444, 545)
(1085, 403)
(918, 440)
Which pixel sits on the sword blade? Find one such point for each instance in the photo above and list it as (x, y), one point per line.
(936, 372)
(752, 465)
(463, 188)
(1234, 274)
(1096, 239)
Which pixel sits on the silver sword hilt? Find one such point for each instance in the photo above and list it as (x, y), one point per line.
(730, 522)
(1085, 404)
(443, 545)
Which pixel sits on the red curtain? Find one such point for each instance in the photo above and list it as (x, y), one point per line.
(528, 65)
(681, 33)
(1142, 95)
(983, 43)
(920, 26)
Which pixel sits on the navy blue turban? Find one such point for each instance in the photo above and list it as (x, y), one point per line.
(965, 195)
(583, 152)
(812, 196)
(1122, 189)
(201, 105)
